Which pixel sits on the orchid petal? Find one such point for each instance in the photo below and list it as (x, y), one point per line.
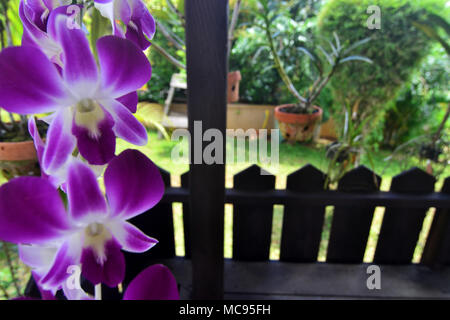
(45, 294)
(147, 21)
(124, 68)
(111, 271)
(91, 268)
(133, 184)
(60, 142)
(80, 68)
(31, 211)
(126, 126)
(29, 82)
(98, 149)
(134, 33)
(33, 26)
(85, 197)
(39, 257)
(154, 283)
(130, 101)
(75, 294)
(131, 238)
(141, 26)
(102, 1)
(38, 142)
(114, 267)
(58, 177)
(36, 11)
(67, 255)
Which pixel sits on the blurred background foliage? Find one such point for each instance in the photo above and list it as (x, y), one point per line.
(404, 91)
(13, 25)
(388, 87)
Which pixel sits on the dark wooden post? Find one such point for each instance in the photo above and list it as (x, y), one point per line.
(206, 54)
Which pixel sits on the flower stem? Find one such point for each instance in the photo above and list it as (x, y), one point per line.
(98, 292)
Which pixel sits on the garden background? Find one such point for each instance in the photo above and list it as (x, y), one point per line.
(402, 96)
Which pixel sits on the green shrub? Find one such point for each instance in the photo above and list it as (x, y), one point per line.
(162, 69)
(420, 105)
(396, 49)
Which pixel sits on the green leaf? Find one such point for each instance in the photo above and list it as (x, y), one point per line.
(325, 53)
(356, 45)
(338, 42)
(314, 58)
(333, 48)
(353, 58)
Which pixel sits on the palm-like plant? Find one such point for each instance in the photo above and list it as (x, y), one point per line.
(337, 55)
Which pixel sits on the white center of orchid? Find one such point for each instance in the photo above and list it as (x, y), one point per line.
(88, 114)
(94, 229)
(86, 105)
(96, 236)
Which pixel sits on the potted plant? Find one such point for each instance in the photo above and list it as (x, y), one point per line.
(298, 121)
(17, 152)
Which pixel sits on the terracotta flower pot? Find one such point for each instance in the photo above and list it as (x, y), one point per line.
(233, 86)
(18, 159)
(295, 126)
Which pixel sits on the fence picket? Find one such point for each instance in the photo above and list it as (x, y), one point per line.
(437, 247)
(302, 225)
(401, 226)
(351, 225)
(252, 224)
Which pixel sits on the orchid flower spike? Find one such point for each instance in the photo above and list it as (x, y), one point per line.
(90, 106)
(93, 231)
(140, 25)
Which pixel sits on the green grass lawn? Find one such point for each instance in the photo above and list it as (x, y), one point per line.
(291, 158)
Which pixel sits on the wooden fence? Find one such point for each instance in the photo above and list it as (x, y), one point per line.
(253, 196)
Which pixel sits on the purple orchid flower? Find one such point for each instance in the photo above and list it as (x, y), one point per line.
(34, 15)
(93, 231)
(91, 106)
(140, 25)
